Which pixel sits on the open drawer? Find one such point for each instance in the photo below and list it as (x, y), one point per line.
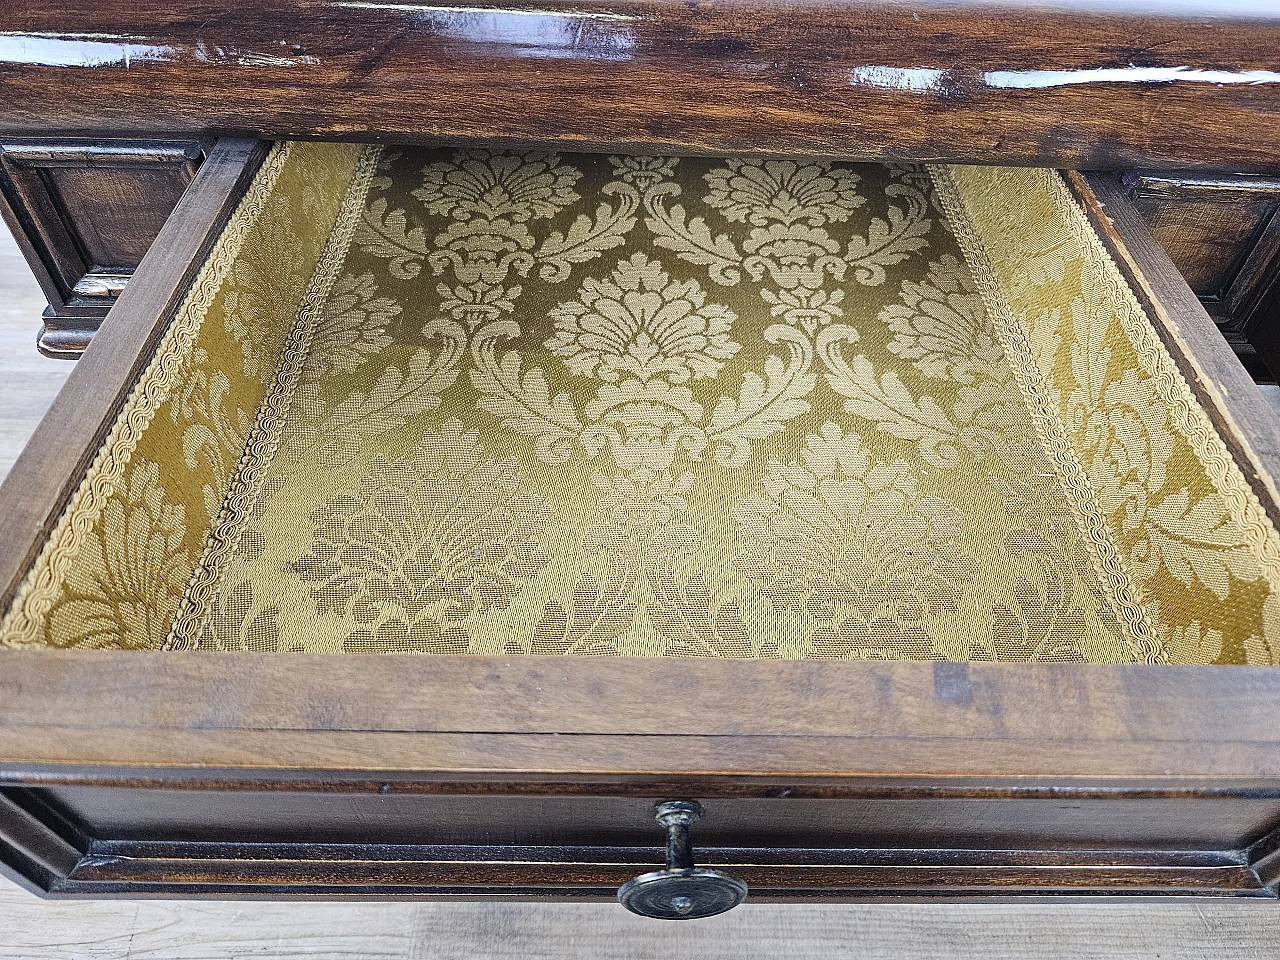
(914, 520)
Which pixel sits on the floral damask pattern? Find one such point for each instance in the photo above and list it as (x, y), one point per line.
(745, 407)
(140, 522)
(643, 324)
(488, 202)
(749, 407)
(128, 587)
(255, 301)
(478, 184)
(854, 545)
(791, 248)
(352, 327)
(423, 544)
(1202, 557)
(940, 326)
(1126, 439)
(765, 192)
(211, 433)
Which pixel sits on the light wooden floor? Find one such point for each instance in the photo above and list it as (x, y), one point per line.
(131, 930)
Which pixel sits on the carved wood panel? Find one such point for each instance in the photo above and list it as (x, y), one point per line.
(84, 214)
(1223, 234)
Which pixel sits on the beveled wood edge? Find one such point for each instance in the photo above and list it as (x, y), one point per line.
(1239, 412)
(596, 872)
(1182, 185)
(132, 868)
(67, 338)
(51, 858)
(33, 852)
(33, 243)
(90, 716)
(54, 462)
(113, 151)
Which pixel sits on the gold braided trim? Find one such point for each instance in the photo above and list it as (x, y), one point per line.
(40, 588)
(1123, 593)
(264, 438)
(1189, 417)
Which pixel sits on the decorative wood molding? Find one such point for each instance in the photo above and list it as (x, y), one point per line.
(465, 776)
(84, 213)
(37, 848)
(773, 875)
(1228, 221)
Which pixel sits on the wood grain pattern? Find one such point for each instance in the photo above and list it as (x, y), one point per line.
(897, 814)
(198, 930)
(1206, 223)
(1222, 233)
(48, 470)
(1089, 83)
(1076, 760)
(505, 716)
(594, 874)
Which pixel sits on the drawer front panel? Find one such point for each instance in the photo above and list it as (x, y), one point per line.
(400, 814)
(378, 844)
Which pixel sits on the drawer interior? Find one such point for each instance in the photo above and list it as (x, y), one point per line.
(484, 402)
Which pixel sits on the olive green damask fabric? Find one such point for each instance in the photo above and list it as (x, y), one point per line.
(551, 404)
(581, 404)
(114, 571)
(1195, 558)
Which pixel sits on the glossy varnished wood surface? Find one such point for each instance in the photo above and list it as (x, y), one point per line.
(1089, 83)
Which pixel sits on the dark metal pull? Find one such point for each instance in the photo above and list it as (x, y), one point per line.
(681, 891)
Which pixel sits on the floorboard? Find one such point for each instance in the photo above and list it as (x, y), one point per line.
(28, 381)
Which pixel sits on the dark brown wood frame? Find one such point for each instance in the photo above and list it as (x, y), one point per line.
(1088, 83)
(1186, 744)
(532, 777)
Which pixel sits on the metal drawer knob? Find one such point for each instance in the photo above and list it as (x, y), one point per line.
(681, 891)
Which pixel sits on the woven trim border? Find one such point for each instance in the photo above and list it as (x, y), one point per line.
(1124, 594)
(24, 621)
(1175, 391)
(264, 439)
